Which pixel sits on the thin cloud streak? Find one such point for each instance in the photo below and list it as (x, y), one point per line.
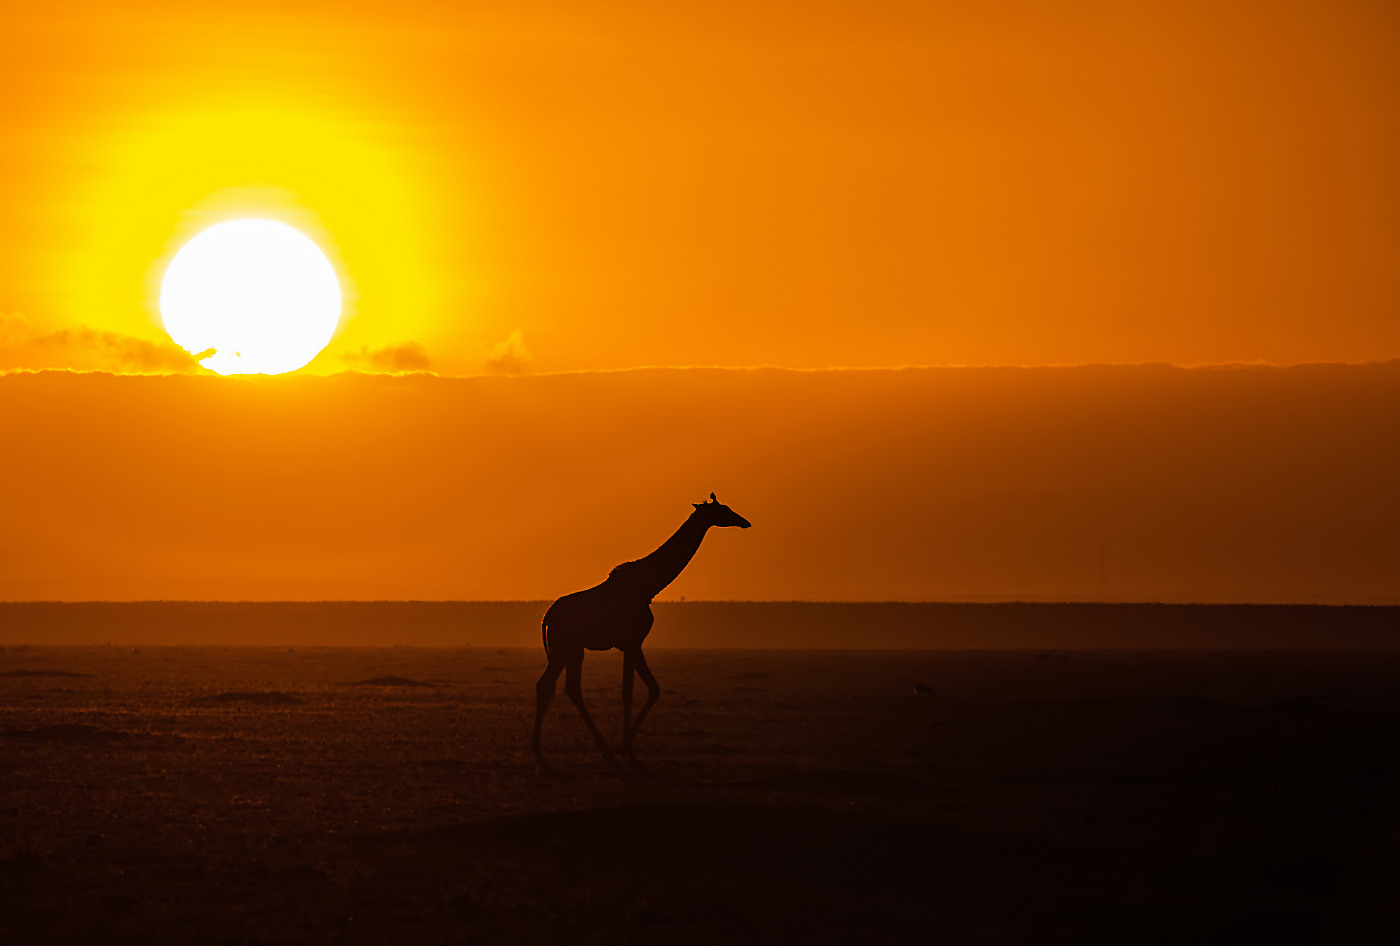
(24, 346)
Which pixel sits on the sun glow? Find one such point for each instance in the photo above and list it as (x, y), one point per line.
(251, 297)
(163, 176)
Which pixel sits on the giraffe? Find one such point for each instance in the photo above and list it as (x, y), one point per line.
(617, 613)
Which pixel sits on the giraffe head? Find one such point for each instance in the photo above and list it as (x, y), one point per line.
(716, 513)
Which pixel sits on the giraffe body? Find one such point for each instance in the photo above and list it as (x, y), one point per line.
(600, 618)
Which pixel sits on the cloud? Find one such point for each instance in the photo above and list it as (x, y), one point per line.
(406, 356)
(511, 356)
(24, 345)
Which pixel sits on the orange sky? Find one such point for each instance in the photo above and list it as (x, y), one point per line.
(535, 205)
(531, 186)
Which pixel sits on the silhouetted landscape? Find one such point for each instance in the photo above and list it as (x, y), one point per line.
(153, 794)
(726, 473)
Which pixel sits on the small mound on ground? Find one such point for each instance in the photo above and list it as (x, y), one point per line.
(71, 734)
(274, 698)
(44, 673)
(390, 682)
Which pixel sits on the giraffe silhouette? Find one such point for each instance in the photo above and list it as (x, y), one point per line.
(617, 613)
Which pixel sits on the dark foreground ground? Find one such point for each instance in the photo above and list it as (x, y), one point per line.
(255, 795)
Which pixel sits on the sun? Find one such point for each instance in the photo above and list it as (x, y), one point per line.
(250, 297)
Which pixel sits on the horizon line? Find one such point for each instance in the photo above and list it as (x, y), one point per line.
(872, 601)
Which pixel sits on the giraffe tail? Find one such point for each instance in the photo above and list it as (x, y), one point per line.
(544, 634)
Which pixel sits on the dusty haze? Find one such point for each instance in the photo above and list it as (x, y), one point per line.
(1096, 483)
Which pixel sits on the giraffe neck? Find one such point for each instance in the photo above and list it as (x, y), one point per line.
(654, 572)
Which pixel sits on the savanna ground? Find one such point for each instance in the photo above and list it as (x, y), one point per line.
(236, 795)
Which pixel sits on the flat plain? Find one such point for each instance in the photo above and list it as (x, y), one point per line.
(357, 795)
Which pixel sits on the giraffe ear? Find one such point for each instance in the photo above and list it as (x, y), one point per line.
(712, 498)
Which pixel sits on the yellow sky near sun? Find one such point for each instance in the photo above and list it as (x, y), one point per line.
(599, 185)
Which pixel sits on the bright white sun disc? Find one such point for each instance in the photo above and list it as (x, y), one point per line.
(258, 293)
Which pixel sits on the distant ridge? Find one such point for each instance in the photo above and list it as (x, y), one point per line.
(714, 624)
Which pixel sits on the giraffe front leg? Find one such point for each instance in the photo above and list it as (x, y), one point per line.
(639, 662)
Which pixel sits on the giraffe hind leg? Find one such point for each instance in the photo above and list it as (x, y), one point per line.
(573, 687)
(544, 693)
